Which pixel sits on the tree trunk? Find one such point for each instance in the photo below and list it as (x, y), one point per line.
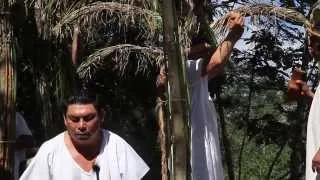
(160, 113)
(7, 91)
(178, 95)
(225, 140)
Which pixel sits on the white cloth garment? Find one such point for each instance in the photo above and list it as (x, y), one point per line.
(206, 163)
(313, 135)
(20, 155)
(117, 161)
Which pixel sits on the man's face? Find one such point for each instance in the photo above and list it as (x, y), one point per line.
(83, 123)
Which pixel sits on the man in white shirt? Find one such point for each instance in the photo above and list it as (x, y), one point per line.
(313, 131)
(85, 151)
(206, 62)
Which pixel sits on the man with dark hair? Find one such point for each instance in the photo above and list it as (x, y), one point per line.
(85, 151)
(313, 133)
(303, 90)
(206, 62)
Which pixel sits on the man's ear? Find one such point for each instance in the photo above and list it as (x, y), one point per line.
(64, 120)
(102, 115)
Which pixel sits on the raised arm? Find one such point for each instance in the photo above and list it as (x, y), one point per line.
(222, 53)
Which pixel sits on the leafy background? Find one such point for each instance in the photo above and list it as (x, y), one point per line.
(262, 136)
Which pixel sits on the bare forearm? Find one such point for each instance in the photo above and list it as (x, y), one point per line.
(221, 55)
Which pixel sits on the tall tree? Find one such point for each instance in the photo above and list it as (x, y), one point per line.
(7, 87)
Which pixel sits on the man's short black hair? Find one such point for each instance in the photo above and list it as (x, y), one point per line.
(82, 95)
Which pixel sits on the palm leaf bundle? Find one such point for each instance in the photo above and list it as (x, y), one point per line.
(89, 15)
(256, 10)
(120, 55)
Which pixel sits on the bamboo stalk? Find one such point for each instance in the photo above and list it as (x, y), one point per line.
(178, 95)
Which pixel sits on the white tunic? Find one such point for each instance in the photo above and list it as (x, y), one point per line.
(205, 147)
(117, 161)
(313, 135)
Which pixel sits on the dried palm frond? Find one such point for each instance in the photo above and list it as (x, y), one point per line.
(146, 4)
(146, 56)
(266, 10)
(185, 29)
(91, 14)
(47, 11)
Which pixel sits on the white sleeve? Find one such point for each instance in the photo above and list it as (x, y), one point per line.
(194, 70)
(39, 168)
(21, 126)
(132, 166)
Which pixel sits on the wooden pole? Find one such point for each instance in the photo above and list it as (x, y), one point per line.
(178, 95)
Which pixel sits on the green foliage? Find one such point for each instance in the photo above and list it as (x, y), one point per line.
(254, 103)
(260, 129)
(258, 158)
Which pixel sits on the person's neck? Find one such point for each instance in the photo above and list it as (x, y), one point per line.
(89, 151)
